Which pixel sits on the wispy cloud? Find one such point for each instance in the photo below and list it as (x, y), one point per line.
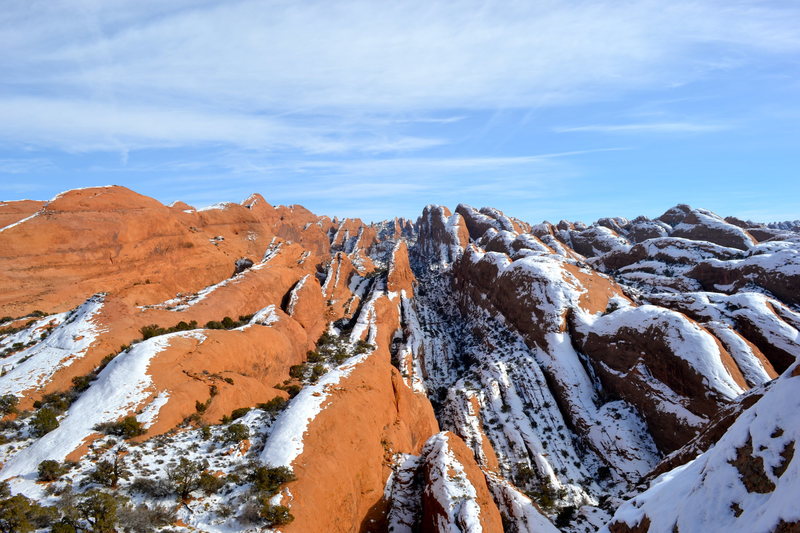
(270, 74)
(646, 127)
(25, 166)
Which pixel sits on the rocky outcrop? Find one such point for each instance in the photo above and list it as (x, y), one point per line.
(464, 372)
(441, 235)
(754, 457)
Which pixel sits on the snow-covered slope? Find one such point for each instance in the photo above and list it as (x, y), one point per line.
(464, 372)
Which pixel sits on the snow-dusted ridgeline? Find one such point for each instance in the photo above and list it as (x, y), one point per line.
(33, 367)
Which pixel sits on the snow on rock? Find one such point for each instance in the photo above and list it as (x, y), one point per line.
(442, 236)
(149, 414)
(456, 508)
(686, 339)
(520, 510)
(122, 387)
(404, 494)
(294, 294)
(33, 367)
(285, 443)
(265, 317)
(766, 322)
(747, 481)
(17, 223)
(34, 332)
(703, 225)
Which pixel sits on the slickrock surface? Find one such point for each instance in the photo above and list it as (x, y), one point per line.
(464, 372)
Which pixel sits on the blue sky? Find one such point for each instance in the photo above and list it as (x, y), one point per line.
(544, 109)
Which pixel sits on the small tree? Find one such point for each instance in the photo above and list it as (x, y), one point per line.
(126, 428)
(184, 477)
(236, 433)
(50, 470)
(274, 405)
(210, 484)
(100, 510)
(269, 480)
(44, 421)
(275, 515)
(18, 514)
(8, 404)
(109, 473)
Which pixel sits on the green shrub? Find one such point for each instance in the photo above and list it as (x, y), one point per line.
(100, 510)
(275, 515)
(50, 470)
(126, 428)
(239, 413)
(57, 401)
(18, 514)
(316, 372)
(8, 404)
(151, 330)
(184, 477)
(81, 383)
(236, 433)
(297, 371)
(278, 403)
(201, 407)
(314, 357)
(63, 527)
(109, 473)
(44, 421)
(268, 480)
(210, 484)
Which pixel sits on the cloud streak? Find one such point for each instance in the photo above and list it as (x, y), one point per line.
(114, 75)
(646, 127)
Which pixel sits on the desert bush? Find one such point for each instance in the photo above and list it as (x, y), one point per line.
(126, 428)
(8, 404)
(155, 488)
(268, 480)
(184, 477)
(274, 515)
(210, 484)
(100, 510)
(144, 519)
(43, 422)
(109, 473)
(278, 403)
(236, 433)
(50, 470)
(297, 371)
(18, 514)
(239, 413)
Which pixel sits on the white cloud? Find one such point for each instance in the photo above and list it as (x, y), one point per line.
(322, 76)
(646, 127)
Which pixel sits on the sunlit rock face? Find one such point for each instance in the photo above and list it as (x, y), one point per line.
(248, 366)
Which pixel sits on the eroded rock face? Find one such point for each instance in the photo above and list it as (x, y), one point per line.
(464, 372)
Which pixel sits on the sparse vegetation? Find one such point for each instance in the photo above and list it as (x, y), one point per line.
(8, 404)
(43, 422)
(184, 477)
(50, 470)
(109, 473)
(236, 433)
(126, 428)
(268, 480)
(274, 515)
(275, 405)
